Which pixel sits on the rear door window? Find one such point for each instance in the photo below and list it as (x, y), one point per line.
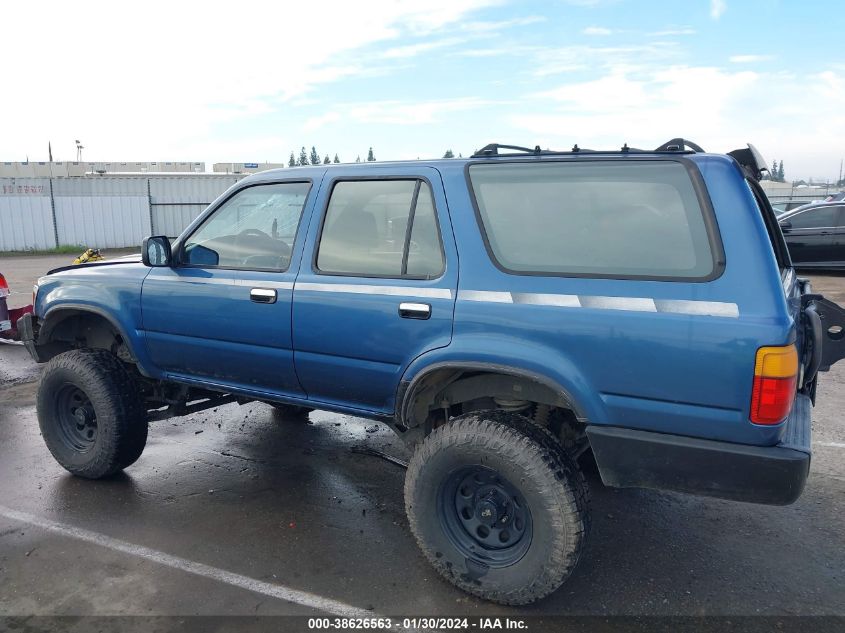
(381, 228)
(631, 219)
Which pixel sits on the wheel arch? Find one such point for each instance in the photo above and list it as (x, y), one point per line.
(518, 381)
(63, 324)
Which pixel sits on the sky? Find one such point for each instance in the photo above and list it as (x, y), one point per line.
(252, 81)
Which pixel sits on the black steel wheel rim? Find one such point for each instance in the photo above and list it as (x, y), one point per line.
(77, 420)
(484, 516)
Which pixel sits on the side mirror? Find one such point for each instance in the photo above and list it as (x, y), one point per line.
(155, 251)
(786, 226)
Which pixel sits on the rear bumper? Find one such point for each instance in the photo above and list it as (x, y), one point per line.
(776, 475)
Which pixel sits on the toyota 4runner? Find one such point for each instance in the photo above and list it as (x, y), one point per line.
(508, 315)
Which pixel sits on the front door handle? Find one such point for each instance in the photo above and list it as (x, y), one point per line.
(262, 295)
(415, 311)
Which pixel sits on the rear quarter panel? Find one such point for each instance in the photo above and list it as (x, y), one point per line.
(681, 373)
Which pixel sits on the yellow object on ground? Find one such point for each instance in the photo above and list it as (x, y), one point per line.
(91, 255)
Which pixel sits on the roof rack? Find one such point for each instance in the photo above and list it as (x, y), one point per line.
(678, 145)
(492, 149)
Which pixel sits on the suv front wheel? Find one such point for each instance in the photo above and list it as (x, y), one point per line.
(91, 413)
(497, 506)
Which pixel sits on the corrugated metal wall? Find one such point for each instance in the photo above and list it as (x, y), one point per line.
(101, 212)
(175, 201)
(26, 217)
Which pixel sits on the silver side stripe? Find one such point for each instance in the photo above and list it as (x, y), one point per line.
(711, 308)
(229, 281)
(634, 304)
(393, 291)
(261, 283)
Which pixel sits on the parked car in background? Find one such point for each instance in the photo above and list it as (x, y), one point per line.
(815, 235)
(783, 207)
(836, 197)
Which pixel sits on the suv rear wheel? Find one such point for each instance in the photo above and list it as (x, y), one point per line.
(497, 506)
(91, 413)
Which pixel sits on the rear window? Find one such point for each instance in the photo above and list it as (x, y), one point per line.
(594, 218)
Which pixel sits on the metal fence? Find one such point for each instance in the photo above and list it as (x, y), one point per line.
(101, 212)
(783, 192)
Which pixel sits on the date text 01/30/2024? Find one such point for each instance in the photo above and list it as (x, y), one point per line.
(422, 623)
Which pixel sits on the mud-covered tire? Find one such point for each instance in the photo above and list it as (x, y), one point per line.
(290, 410)
(91, 413)
(541, 474)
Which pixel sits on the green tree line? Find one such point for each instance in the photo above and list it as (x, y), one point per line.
(776, 173)
(313, 158)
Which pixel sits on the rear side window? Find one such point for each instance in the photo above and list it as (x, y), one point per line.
(381, 228)
(594, 218)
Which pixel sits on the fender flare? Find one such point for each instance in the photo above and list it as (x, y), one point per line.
(408, 388)
(49, 324)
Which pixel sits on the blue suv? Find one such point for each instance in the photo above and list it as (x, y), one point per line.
(509, 315)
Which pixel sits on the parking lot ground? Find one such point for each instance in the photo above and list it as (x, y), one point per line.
(240, 511)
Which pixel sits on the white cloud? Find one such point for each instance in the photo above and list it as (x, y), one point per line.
(412, 50)
(717, 108)
(411, 113)
(499, 25)
(568, 59)
(318, 122)
(749, 59)
(157, 80)
(717, 8)
(397, 112)
(597, 30)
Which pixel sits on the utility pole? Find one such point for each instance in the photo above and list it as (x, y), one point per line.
(840, 170)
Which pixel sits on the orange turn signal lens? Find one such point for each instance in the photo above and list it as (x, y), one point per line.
(775, 383)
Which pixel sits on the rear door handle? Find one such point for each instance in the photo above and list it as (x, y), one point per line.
(415, 311)
(262, 295)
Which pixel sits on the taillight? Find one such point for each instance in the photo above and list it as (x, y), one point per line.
(775, 382)
(4, 287)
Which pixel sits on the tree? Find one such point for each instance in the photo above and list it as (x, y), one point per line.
(773, 172)
(327, 160)
(358, 158)
(315, 157)
(449, 154)
(336, 159)
(781, 177)
(371, 158)
(292, 161)
(303, 157)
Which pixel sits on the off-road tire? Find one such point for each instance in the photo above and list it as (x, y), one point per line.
(536, 464)
(291, 410)
(115, 397)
